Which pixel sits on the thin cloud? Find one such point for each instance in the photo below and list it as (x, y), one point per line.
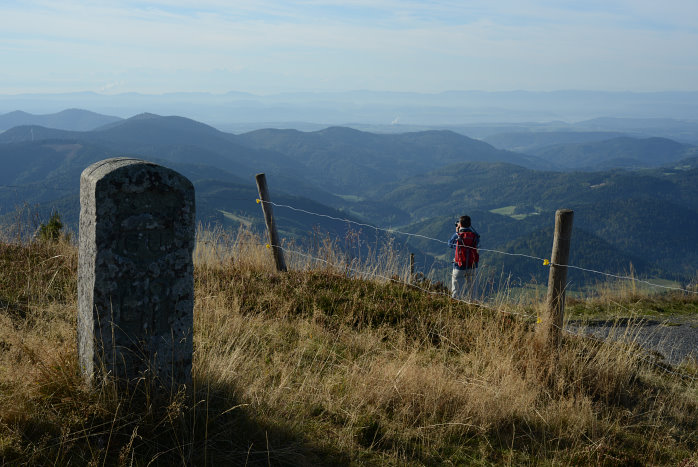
(416, 45)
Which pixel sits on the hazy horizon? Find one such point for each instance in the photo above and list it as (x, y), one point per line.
(232, 110)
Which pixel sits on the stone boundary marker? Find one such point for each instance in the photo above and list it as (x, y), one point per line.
(135, 272)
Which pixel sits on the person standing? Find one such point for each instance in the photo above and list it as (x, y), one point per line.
(465, 241)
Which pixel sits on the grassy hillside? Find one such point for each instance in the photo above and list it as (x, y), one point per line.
(315, 367)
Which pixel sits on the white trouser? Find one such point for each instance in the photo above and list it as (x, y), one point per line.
(464, 283)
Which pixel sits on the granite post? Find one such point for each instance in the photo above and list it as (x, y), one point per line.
(135, 273)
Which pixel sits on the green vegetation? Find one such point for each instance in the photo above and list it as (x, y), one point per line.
(240, 220)
(314, 367)
(516, 212)
(635, 303)
(504, 211)
(52, 230)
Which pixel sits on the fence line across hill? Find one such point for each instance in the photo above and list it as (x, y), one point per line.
(39, 185)
(646, 358)
(397, 281)
(364, 273)
(542, 261)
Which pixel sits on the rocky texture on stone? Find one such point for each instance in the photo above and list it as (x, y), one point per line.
(135, 277)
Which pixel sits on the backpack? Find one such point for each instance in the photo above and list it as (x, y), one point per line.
(466, 250)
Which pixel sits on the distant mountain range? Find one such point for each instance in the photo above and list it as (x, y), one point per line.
(377, 108)
(531, 141)
(334, 160)
(621, 152)
(418, 181)
(350, 161)
(70, 119)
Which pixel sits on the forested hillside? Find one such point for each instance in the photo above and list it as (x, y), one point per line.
(352, 161)
(417, 182)
(622, 152)
(645, 218)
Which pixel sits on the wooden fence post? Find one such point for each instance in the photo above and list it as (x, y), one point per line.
(550, 327)
(411, 268)
(268, 211)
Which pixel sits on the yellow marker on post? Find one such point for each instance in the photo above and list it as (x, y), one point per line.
(546, 262)
(258, 200)
(268, 246)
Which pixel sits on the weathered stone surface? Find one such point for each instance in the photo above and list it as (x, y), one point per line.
(135, 277)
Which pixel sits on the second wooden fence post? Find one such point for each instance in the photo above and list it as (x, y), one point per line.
(550, 327)
(268, 211)
(411, 268)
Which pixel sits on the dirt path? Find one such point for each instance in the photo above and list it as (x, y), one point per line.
(676, 338)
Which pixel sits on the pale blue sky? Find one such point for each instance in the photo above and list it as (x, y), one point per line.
(266, 46)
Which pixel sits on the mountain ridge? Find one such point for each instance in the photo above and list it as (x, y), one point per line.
(618, 152)
(386, 180)
(376, 158)
(69, 119)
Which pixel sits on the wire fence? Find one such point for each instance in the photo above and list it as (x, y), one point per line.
(363, 273)
(366, 273)
(42, 186)
(540, 260)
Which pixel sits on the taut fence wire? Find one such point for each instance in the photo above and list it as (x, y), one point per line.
(542, 261)
(664, 367)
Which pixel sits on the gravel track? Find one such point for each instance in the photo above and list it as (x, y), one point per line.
(675, 338)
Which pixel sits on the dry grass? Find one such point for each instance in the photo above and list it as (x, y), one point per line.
(318, 367)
